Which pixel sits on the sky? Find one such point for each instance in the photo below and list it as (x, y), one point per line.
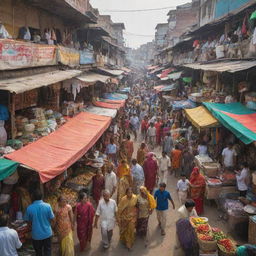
(140, 26)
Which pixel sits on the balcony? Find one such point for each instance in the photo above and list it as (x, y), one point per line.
(72, 11)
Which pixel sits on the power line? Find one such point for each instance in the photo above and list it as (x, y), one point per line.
(141, 10)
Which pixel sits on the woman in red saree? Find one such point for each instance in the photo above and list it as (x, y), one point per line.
(150, 168)
(84, 214)
(197, 182)
(98, 185)
(158, 127)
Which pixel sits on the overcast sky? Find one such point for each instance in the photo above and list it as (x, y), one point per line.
(138, 23)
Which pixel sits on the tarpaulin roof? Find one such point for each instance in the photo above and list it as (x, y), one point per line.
(127, 70)
(168, 88)
(7, 168)
(125, 90)
(201, 118)
(53, 154)
(157, 70)
(102, 111)
(158, 88)
(240, 120)
(121, 102)
(91, 77)
(114, 72)
(102, 104)
(27, 83)
(175, 76)
(166, 72)
(151, 67)
(115, 96)
(183, 104)
(224, 66)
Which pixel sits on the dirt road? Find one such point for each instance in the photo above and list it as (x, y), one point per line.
(158, 245)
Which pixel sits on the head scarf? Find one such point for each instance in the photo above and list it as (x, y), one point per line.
(196, 178)
(151, 199)
(150, 155)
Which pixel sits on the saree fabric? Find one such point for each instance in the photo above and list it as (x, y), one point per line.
(197, 189)
(151, 199)
(98, 184)
(150, 172)
(123, 170)
(64, 230)
(123, 185)
(141, 156)
(85, 215)
(127, 214)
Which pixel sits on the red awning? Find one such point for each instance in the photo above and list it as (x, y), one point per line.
(166, 72)
(102, 104)
(53, 154)
(158, 88)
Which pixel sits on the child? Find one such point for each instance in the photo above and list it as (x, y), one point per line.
(162, 196)
(183, 188)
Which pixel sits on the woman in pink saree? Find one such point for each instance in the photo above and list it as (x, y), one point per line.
(150, 168)
(84, 214)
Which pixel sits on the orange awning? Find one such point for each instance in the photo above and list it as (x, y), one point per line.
(121, 102)
(102, 104)
(53, 154)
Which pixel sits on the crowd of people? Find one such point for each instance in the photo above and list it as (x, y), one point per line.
(132, 185)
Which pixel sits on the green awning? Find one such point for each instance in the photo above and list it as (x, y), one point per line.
(240, 120)
(7, 168)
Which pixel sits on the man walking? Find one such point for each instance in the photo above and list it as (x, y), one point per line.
(151, 135)
(106, 210)
(110, 180)
(164, 164)
(135, 124)
(137, 176)
(40, 215)
(162, 196)
(9, 239)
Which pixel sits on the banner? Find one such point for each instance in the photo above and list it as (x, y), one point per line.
(68, 57)
(18, 54)
(87, 57)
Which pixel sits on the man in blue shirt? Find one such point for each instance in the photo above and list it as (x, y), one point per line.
(40, 215)
(162, 196)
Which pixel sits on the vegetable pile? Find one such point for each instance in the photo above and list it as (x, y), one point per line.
(206, 237)
(218, 234)
(203, 229)
(227, 245)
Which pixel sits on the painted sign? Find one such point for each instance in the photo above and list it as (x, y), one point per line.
(87, 57)
(68, 57)
(18, 54)
(224, 7)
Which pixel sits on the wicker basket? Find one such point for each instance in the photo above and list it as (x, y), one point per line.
(222, 252)
(207, 246)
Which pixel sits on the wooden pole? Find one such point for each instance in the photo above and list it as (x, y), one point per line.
(13, 115)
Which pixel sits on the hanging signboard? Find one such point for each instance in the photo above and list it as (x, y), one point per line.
(68, 57)
(18, 54)
(87, 57)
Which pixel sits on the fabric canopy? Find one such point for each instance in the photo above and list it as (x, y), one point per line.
(201, 118)
(183, 104)
(102, 111)
(175, 76)
(166, 72)
(53, 154)
(7, 168)
(159, 88)
(168, 88)
(120, 102)
(102, 104)
(240, 120)
(91, 77)
(115, 96)
(113, 72)
(27, 83)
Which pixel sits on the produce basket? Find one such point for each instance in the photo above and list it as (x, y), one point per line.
(223, 251)
(206, 246)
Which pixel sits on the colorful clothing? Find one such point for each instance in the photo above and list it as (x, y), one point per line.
(124, 183)
(127, 214)
(85, 215)
(158, 127)
(129, 150)
(198, 184)
(150, 171)
(98, 184)
(123, 170)
(176, 158)
(141, 154)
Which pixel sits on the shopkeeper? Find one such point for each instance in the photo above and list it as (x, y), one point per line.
(229, 156)
(242, 178)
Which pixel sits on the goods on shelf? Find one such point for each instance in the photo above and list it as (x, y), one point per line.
(82, 179)
(228, 178)
(71, 108)
(210, 169)
(201, 159)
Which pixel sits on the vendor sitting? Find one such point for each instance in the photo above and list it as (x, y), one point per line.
(187, 210)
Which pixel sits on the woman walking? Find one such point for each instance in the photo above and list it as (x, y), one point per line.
(127, 216)
(141, 154)
(64, 226)
(84, 214)
(146, 204)
(150, 168)
(197, 183)
(98, 185)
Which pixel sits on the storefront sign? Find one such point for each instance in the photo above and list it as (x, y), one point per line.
(68, 57)
(87, 57)
(79, 5)
(17, 54)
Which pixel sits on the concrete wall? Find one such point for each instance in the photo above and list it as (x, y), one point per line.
(207, 11)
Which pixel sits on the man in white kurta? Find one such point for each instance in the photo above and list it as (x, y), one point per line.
(106, 211)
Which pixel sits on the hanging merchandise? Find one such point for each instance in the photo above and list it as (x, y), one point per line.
(3, 134)
(3, 32)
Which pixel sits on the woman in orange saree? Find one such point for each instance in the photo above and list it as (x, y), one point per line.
(127, 218)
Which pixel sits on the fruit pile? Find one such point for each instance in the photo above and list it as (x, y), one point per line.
(83, 179)
(206, 237)
(218, 234)
(203, 229)
(227, 246)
